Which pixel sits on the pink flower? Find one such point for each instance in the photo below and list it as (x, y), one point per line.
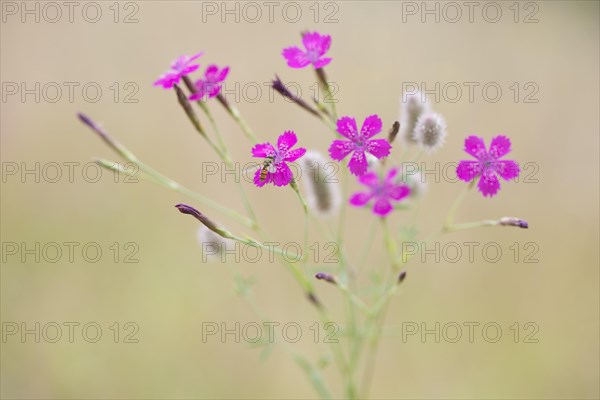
(180, 67)
(276, 159)
(210, 86)
(359, 143)
(316, 46)
(383, 192)
(488, 164)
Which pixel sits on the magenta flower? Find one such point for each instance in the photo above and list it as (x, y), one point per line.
(383, 192)
(275, 169)
(316, 46)
(210, 86)
(488, 164)
(359, 143)
(180, 67)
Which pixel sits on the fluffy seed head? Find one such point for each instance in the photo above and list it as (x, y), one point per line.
(412, 106)
(430, 131)
(321, 184)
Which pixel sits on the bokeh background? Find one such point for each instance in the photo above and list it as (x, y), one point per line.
(170, 292)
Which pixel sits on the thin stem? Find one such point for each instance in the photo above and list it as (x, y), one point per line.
(457, 203)
(169, 183)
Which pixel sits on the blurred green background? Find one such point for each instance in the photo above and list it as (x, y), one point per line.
(377, 46)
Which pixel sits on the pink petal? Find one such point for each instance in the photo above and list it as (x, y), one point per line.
(223, 74)
(322, 62)
(194, 57)
(379, 147)
(311, 40)
(358, 163)
(295, 57)
(360, 199)
(286, 141)
(475, 146)
(263, 150)
(283, 175)
(369, 179)
(391, 175)
(339, 149)
(371, 126)
(295, 154)
(168, 80)
(211, 71)
(257, 180)
(399, 192)
(189, 69)
(325, 44)
(213, 90)
(500, 146)
(346, 126)
(507, 169)
(488, 184)
(382, 207)
(468, 170)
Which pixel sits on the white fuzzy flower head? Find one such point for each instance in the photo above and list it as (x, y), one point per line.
(321, 182)
(412, 106)
(212, 245)
(430, 132)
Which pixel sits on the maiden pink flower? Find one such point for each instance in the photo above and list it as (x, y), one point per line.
(210, 86)
(488, 165)
(316, 46)
(276, 159)
(383, 192)
(359, 143)
(180, 67)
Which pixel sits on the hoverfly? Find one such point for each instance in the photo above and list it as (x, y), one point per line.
(265, 168)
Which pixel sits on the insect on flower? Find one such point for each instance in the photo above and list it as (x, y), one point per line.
(275, 169)
(265, 169)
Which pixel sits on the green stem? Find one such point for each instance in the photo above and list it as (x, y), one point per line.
(457, 203)
(169, 183)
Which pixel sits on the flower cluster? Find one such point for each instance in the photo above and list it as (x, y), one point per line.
(386, 182)
(207, 87)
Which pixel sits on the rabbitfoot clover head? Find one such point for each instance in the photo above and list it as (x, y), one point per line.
(180, 67)
(316, 46)
(488, 164)
(210, 85)
(382, 192)
(359, 144)
(275, 168)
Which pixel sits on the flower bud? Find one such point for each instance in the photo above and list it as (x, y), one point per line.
(320, 183)
(187, 107)
(412, 106)
(185, 209)
(326, 277)
(401, 277)
(430, 131)
(285, 92)
(512, 221)
(393, 131)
